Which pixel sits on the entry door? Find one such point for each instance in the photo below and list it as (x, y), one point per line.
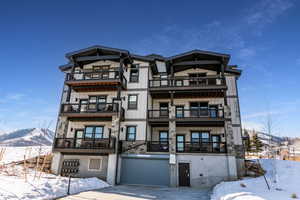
(83, 105)
(180, 143)
(78, 138)
(184, 174)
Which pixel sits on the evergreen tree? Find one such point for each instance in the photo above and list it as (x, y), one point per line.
(248, 145)
(256, 143)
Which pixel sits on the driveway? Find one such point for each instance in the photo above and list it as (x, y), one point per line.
(126, 192)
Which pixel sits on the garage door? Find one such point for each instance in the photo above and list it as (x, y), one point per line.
(145, 171)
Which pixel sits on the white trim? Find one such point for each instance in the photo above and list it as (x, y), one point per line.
(95, 158)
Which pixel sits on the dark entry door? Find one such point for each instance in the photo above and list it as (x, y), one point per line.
(184, 174)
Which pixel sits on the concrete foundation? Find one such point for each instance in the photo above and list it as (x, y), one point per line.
(208, 170)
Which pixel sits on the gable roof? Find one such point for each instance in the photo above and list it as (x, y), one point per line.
(208, 56)
(95, 48)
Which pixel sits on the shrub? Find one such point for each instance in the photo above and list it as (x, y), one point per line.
(294, 196)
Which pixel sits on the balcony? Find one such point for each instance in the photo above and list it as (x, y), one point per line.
(192, 116)
(200, 116)
(86, 110)
(210, 86)
(158, 146)
(201, 147)
(84, 145)
(96, 80)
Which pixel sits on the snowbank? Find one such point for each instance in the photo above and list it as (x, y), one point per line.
(283, 177)
(47, 187)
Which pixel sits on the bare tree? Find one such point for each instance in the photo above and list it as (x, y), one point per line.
(271, 128)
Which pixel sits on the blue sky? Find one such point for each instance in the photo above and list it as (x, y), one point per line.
(262, 37)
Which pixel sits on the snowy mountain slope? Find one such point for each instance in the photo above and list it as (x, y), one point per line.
(27, 137)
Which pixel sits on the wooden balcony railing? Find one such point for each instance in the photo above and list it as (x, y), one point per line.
(201, 147)
(84, 143)
(158, 146)
(184, 81)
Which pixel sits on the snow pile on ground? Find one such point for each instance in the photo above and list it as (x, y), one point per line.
(36, 185)
(46, 187)
(282, 175)
(12, 154)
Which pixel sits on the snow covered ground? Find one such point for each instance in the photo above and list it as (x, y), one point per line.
(47, 187)
(283, 177)
(13, 185)
(17, 153)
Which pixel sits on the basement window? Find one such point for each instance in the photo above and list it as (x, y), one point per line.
(95, 164)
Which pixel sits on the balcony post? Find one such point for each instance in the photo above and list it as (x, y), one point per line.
(172, 145)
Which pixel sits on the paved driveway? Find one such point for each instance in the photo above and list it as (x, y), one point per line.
(126, 192)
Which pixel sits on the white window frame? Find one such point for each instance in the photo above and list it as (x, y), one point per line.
(94, 158)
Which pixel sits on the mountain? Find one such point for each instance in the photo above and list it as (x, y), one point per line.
(27, 137)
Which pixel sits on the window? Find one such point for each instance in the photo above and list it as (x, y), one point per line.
(97, 103)
(199, 109)
(164, 109)
(180, 143)
(197, 79)
(213, 110)
(131, 133)
(94, 132)
(179, 111)
(164, 80)
(88, 132)
(99, 132)
(163, 136)
(95, 164)
(132, 101)
(134, 73)
(197, 136)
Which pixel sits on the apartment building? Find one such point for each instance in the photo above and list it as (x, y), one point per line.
(150, 120)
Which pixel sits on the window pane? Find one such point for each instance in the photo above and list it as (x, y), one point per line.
(132, 98)
(131, 132)
(180, 139)
(102, 100)
(132, 101)
(163, 136)
(99, 132)
(79, 134)
(93, 99)
(205, 137)
(195, 137)
(89, 132)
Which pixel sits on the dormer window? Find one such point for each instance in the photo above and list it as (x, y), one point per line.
(134, 73)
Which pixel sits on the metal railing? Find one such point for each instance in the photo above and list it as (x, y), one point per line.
(187, 113)
(201, 147)
(184, 81)
(90, 108)
(157, 113)
(158, 146)
(109, 75)
(200, 113)
(84, 143)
